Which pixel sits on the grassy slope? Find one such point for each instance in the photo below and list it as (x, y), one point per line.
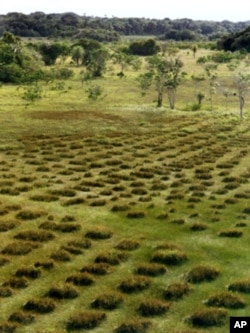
(76, 141)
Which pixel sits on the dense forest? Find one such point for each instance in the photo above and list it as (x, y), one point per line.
(70, 25)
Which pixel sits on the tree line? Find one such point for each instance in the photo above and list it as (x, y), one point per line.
(69, 25)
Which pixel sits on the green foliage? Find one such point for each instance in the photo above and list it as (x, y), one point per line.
(32, 93)
(144, 47)
(51, 51)
(94, 92)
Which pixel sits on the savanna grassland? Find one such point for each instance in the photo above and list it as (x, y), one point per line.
(120, 217)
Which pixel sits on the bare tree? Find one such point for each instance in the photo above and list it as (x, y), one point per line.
(242, 85)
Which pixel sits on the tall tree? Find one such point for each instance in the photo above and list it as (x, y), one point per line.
(242, 84)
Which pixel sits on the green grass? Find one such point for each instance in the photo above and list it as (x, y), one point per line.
(91, 192)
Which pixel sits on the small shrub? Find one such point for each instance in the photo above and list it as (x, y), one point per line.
(208, 318)
(99, 233)
(153, 307)
(202, 273)
(35, 235)
(169, 257)
(81, 279)
(85, 320)
(22, 318)
(235, 233)
(97, 268)
(107, 301)
(28, 272)
(227, 300)
(151, 269)
(134, 284)
(40, 305)
(176, 291)
(127, 245)
(242, 286)
(134, 326)
(62, 292)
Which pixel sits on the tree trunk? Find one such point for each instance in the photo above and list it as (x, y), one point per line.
(242, 102)
(159, 100)
(171, 98)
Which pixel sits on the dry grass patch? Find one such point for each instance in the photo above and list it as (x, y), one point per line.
(85, 320)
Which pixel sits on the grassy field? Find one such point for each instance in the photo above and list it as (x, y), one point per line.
(119, 217)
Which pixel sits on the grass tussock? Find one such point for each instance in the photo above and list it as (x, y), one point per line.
(8, 225)
(169, 257)
(151, 269)
(46, 264)
(29, 214)
(112, 257)
(208, 318)
(16, 283)
(35, 235)
(134, 284)
(5, 292)
(7, 327)
(22, 317)
(198, 226)
(242, 285)
(153, 307)
(101, 268)
(127, 245)
(226, 299)
(134, 326)
(28, 272)
(81, 279)
(177, 290)
(202, 273)
(136, 215)
(85, 320)
(40, 305)
(107, 301)
(19, 248)
(99, 233)
(61, 255)
(62, 292)
(232, 233)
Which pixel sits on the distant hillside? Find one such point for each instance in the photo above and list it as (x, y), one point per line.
(70, 25)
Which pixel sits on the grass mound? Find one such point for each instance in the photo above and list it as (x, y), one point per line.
(35, 235)
(208, 318)
(151, 269)
(81, 279)
(134, 326)
(127, 245)
(242, 286)
(22, 318)
(169, 257)
(40, 305)
(202, 273)
(153, 307)
(62, 292)
(107, 301)
(176, 291)
(134, 284)
(99, 233)
(85, 320)
(226, 300)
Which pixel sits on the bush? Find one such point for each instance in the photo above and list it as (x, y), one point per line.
(40, 305)
(176, 291)
(202, 273)
(134, 326)
(85, 320)
(242, 286)
(227, 300)
(107, 301)
(151, 269)
(134, 284)
(169, 257)
(153, 307)
(208, 317)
